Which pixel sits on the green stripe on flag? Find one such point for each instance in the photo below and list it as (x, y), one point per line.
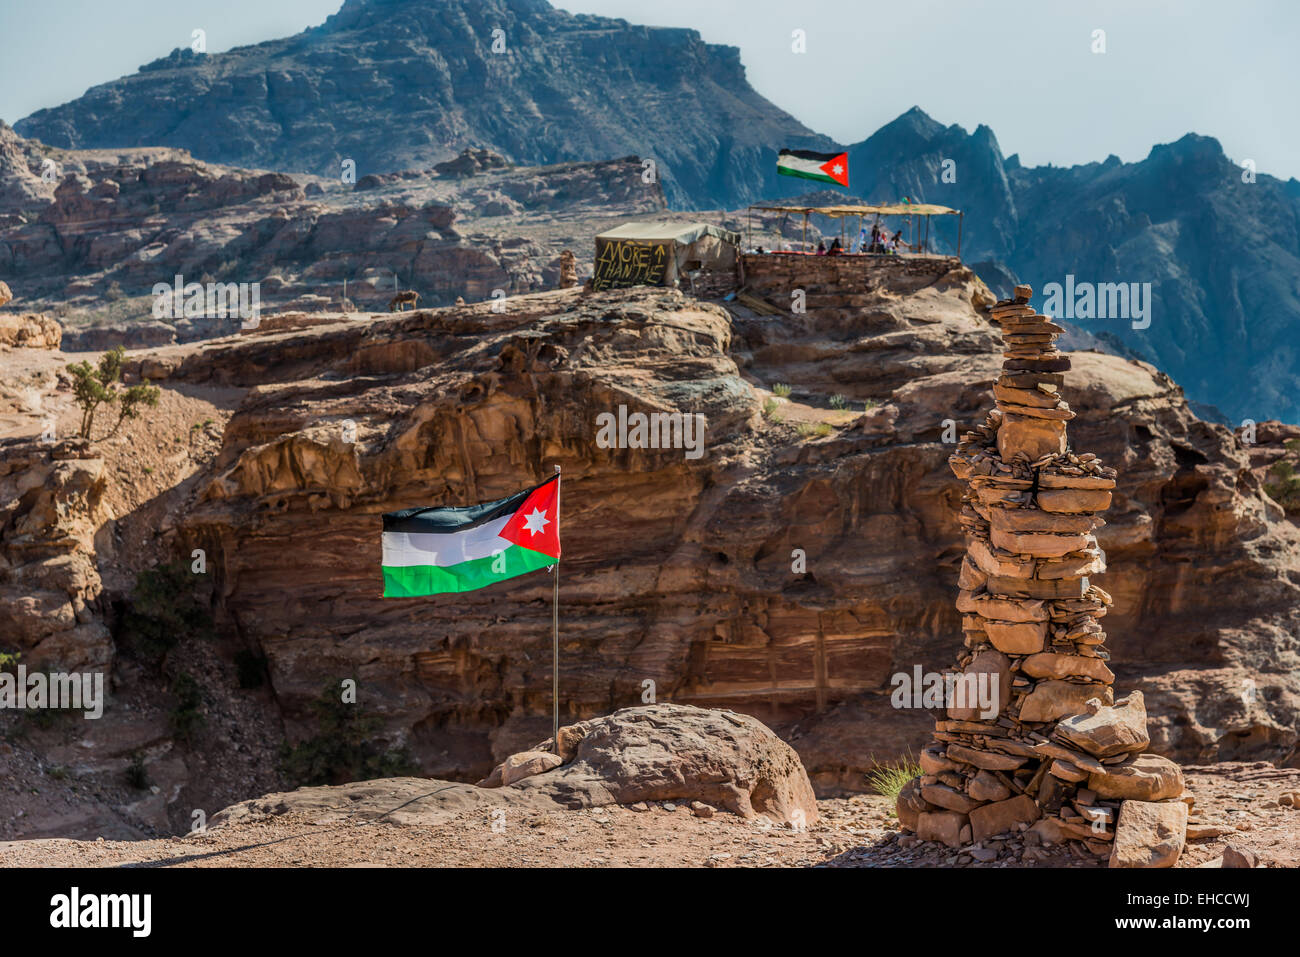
(410, 581)
(788, 171)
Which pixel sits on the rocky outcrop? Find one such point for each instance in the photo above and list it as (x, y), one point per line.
(30, 331)
(782, 575)
(96, 242)
(738, 579)
(49, 583)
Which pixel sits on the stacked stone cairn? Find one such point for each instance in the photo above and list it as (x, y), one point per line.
(1061, 760)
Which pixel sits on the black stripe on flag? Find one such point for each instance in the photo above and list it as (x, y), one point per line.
(449, 520)
(810, 155)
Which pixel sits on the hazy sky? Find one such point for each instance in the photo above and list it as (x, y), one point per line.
(1024, 67)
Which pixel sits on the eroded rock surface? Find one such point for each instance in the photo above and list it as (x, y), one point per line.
(684, 571)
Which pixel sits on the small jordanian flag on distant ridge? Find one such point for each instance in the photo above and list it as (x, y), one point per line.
(824, 167)
(429, 551)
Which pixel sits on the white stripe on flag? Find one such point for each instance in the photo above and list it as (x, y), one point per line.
(801, 164)
(402, 549)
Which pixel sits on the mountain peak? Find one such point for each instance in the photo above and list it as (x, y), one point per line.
(428, 78)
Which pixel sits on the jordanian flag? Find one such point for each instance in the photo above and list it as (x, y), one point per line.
(824, 167)
(428, 551)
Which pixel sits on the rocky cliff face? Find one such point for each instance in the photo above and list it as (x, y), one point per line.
(396, 84)
(94, 237)
(686, 572)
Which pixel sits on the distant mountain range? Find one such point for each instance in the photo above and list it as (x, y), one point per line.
(1222, 256)
(398, 84)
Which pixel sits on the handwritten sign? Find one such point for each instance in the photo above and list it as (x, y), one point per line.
(625, 262)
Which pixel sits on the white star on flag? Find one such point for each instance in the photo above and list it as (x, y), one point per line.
(536, 521)
(837, 169)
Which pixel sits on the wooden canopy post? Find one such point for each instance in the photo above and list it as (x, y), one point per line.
(960, 219)
(805, 230)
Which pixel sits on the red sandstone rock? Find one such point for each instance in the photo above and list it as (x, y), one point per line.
(1149, 834)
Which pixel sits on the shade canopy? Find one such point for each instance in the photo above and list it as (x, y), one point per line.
(889, 209)
(660, 232)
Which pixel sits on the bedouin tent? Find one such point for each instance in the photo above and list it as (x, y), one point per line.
(658, 254)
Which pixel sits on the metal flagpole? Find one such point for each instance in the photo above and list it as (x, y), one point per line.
(555, 633)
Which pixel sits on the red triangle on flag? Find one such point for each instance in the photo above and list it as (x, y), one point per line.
(536, 524)
(837, 169)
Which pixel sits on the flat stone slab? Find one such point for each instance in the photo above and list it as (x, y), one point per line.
(1149, 834)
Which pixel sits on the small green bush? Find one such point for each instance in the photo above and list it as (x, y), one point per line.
(888, 778)
(166, 606)
(186, 718)
(342, 749)
(781, 389)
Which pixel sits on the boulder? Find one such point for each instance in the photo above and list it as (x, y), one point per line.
(1006, 609)
(526, 764)
(1037, 520)
(1090, 561)
(1039, 544)
(1051, 700)
(1234, 856)
(1000, 817)
(909, 805)
(934, 761)
(1033, 436)
(30, 331)
(940, 795)
(1067, 771)
(1053, 480)
(1016, 637)
(1048, 830)
(1073, 500)
(1108, 731)
(1050, 665)
(997, 687)
(987, 760)
(665, 752)
(1149, 834)
(5, 295)
(944, 826)
(985, 786)
(997, 561)
(1146, 777)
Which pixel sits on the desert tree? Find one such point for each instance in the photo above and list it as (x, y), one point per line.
(100, 384)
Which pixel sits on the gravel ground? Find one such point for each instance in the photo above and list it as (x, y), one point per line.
(853, 832)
